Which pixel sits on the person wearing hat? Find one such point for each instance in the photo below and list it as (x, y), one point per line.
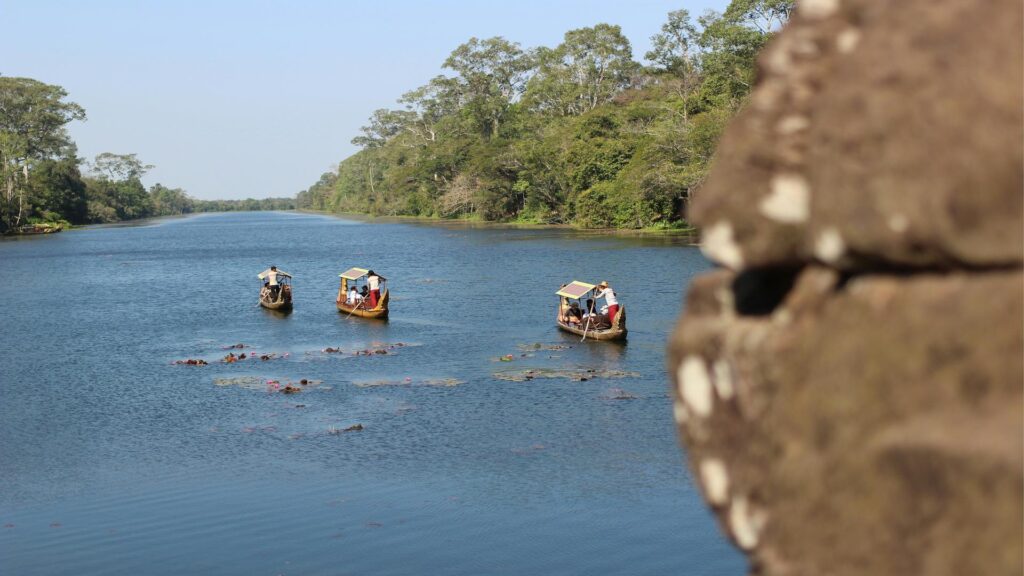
(574, 315)
(608, 294)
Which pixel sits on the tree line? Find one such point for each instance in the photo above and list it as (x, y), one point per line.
(576, 134)
(44, 180)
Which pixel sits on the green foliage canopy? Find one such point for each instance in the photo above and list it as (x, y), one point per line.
(33, 120)
(578, 134)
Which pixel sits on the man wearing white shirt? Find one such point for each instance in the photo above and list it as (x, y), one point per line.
(373, 281)
(270, 276)
(608, 294)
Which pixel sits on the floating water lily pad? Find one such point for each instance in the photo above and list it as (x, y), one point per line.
(541, 346)
(440, 382)
(577, 374)
(372, 349)
(617, 394)
(248, 382)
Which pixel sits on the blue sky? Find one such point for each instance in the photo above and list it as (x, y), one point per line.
(233, 99)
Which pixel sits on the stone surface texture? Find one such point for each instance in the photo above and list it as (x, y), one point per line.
(907, 145)
(848, 385)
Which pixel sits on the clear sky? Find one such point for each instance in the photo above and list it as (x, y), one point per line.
(257, 98)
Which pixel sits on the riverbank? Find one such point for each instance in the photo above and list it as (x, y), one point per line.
(37, 229)
(65, 226)
(467, 223)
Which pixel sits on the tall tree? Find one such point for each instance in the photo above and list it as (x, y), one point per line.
(170, 201)
(432, 102)
(57, 191)
(732, 41)
(119, 167)
(116, 190)
(673, 49)
(763, 16)
(384, 125)
(586, 70)
(33, 120)
(676, 52)
(492, 74)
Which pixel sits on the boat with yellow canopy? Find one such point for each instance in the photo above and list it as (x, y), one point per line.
(588, 323)
(357, 297)
(279, 295)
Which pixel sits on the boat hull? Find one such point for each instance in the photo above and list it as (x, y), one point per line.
(279, 306)
(380, 312)
(616, 332)
(283, 302)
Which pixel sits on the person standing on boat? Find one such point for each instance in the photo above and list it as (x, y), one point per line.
(270, 275)
(608, 294)
(373, 281)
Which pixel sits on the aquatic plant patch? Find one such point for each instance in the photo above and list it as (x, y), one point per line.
(575, 374)
(438, 382)
(541, 346)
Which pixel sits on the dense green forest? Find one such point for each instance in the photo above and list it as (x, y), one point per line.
(43, 179)
(577, 134)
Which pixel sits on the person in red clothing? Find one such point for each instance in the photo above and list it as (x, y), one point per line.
(608, 294)
(373, 281)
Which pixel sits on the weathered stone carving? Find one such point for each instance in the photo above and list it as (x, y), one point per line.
(849, 384)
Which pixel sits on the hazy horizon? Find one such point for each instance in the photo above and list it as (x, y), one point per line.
(230, 100)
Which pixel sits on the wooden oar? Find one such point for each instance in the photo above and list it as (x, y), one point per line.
(356, 307)
(590, 316)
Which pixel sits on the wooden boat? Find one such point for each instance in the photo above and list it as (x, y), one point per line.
(576, 291)
(616, 332)
(352, 278)
(283, 301)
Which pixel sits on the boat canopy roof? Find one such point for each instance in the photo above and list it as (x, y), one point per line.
(354, 273)
(575, 289)
(357, 273)
(264, 274)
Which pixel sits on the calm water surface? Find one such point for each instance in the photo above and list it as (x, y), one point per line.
(113, 460)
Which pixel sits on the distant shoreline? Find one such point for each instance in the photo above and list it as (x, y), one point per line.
(464, 223)
(693, 235)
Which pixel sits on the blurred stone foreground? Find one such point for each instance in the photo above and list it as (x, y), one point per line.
(848, 385)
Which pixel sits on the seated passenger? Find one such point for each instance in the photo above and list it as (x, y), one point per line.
(574, 315)
(595, 319)
(353, 296)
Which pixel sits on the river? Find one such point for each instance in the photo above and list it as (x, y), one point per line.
(116, 460)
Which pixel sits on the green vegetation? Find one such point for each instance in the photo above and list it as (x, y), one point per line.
(41, 175)
(578, 134)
